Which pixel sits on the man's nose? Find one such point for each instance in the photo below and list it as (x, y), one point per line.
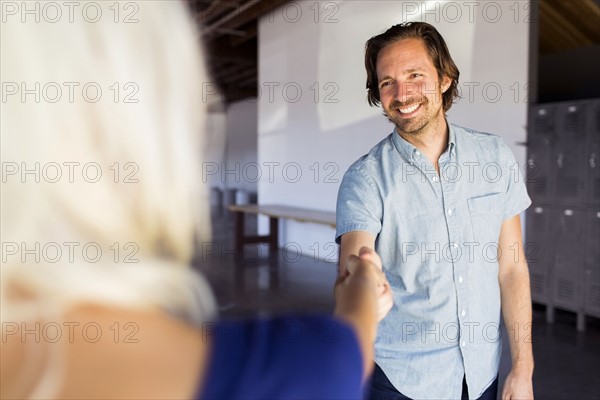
(405, 91)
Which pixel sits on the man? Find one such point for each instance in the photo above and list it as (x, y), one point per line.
(440, 204)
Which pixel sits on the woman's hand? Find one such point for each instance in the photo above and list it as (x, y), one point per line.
(363, 298)
(368, 267)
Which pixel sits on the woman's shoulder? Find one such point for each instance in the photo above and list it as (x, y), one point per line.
(297, 356)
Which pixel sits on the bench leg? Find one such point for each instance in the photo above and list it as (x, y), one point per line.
(239, 232)
(273, 236)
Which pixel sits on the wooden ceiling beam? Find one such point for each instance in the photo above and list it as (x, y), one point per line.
(221, 49)
(251, 81)
(224, 22)
(252, 10)
(232, 70)
(233, 78)
(251, 33)
(565, 25)
(557, 30)
(215, 9)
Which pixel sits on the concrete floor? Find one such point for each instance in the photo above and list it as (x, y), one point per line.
(567, 362)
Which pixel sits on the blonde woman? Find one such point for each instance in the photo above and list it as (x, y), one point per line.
(101, 127)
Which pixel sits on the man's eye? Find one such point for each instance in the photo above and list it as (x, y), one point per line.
(386, 83)
(415, 75)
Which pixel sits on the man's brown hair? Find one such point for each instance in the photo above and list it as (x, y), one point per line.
(438, 53)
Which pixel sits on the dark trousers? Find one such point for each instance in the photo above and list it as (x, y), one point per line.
(382, 389)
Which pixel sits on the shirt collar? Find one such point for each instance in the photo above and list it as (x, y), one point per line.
(412, 154)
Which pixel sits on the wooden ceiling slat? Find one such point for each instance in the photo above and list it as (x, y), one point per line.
(254, 13)
(251, 81)
(568, 24)
(215, 9)
(246, 10)
(584, 15)
(232, 70)
(242, 75)
(251, 33)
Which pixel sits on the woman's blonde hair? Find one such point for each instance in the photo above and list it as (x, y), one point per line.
(101, 130)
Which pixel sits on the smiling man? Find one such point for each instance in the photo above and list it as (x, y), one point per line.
(440, 204)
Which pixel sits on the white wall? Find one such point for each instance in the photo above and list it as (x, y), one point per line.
(312, 109)
(215, 148)
(231, 143)
(241, 146)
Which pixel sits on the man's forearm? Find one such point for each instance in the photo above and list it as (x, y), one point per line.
(516, 310)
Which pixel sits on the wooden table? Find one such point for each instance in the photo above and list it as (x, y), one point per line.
(274, 212)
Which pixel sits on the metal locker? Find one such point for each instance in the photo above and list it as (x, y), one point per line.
(569, 155)
(592, 264)
(566, 280)
(539, 175)
(593, 156)
(538, 251)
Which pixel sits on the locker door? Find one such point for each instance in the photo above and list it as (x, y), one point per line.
(570, 155)
(539, 176)
(592, 264)
(593, 156)
(538, 251)
(568, 262)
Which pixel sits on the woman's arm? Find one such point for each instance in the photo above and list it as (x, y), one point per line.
(358, 293)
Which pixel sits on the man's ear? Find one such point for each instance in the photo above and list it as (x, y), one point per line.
(446, 82)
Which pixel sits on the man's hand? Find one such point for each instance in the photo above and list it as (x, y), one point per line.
(513, 277)
(385, 300)
(517, 387)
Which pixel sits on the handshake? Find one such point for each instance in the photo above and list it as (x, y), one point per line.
(362, 277)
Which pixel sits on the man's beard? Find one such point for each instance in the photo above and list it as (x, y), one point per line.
(412, 125)
(416, 124)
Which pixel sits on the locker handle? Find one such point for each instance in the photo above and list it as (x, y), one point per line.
(559, 161)
(593, 160)
(568, 212)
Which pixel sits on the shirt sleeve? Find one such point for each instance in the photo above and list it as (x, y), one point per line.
(359, 206)
(292, 357)
(516, 198)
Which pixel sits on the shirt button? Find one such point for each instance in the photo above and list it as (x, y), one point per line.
(460, 279)
(450, 211)
(435, 178)
(455, 245)
(417, 153)
(463, 313)
(463, 343)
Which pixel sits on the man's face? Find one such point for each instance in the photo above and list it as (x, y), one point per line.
(409, 87)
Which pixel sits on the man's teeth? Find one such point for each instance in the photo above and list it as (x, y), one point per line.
(408, 110)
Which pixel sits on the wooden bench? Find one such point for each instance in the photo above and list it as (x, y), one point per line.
(275, 213)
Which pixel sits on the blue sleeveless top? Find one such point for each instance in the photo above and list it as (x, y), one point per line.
(300, 357)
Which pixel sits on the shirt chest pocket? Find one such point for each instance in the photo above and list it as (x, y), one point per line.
(485, 212)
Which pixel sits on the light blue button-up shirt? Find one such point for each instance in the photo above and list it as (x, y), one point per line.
(438, 240)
